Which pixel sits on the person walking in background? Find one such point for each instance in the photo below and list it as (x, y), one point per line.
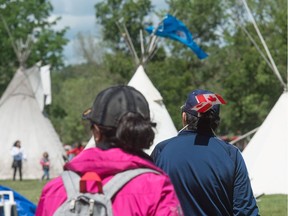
(122, 128)
(18, 156)
(67, 148)
(75, 151)
(45, 163)
(209, 175)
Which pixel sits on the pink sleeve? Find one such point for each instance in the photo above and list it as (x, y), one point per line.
(168, 204)
(52, 196)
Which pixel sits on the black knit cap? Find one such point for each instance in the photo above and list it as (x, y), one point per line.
(112, 103)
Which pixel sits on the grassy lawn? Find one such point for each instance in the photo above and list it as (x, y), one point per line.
(31, 189)
(269, 205)
(273, 205)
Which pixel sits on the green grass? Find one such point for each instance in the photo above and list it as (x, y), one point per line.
(269, 205)
(273, 205)
(31, 189)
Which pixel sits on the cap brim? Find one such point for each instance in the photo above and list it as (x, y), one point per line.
(86, 115)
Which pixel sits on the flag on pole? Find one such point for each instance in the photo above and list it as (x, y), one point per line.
(206, 101)
(176, 30)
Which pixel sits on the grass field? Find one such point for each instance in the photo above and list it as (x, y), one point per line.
(269, 205)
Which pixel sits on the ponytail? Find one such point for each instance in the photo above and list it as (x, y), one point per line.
(134, 133)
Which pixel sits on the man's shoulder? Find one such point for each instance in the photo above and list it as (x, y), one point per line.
(230, 149)
(227, 144)
(163, 143)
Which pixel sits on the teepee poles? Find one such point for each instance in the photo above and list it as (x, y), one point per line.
(142, 45)
(22, 50)
(254, 43)
(128, 40)
(275, 69)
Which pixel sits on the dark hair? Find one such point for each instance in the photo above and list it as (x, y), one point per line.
(133, 134)
(207, 121)
(15, 143)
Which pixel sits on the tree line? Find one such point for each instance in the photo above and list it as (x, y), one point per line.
(234, 68)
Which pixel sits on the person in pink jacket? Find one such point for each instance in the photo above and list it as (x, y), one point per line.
(121, 126)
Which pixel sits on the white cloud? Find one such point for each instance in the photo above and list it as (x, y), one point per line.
(74, 7)
(76, 24)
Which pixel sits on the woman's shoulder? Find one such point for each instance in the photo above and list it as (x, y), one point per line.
(54, 185)
(149, 182)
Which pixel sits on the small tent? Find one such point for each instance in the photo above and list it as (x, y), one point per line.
(165, 128)
(21, 118)
(266, 155)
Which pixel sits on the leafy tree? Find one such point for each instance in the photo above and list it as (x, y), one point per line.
(113, 15)
(131, 13)
(75, 88)
(234, 67)
(182, 71)
(23, 18)
(249, 85)
(174, 75)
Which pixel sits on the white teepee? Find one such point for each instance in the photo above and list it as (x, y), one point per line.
(21, 118)
(266, 155)
(165, 128)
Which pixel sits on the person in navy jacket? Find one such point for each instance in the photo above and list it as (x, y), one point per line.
(209, 175)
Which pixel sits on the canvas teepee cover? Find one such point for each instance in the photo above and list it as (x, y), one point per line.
(266, 155)
(165, 128)
(21, 119)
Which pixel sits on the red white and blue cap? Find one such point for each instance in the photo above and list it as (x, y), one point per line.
(200, 101)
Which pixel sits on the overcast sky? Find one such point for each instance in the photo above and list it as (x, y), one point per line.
(79, 16)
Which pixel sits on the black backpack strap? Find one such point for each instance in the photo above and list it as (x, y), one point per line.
(120, 179)
(71, 183)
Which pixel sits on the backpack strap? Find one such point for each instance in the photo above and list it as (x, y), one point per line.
(71, 182)
(120, 179)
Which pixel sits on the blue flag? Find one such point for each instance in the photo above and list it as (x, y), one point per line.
(176, 30)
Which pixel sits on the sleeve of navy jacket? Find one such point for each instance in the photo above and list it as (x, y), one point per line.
(243, 199)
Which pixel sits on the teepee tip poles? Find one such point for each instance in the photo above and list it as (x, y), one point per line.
(275, 69)
(128, 41)
(22, 50)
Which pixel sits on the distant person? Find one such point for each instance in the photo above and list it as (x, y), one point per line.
(18, 156)
(122, 128)
(209, 175)
(75, 151)
(45, 163)
(67, 148)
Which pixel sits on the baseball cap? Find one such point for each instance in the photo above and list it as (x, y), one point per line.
(200, 101)
(112, 103)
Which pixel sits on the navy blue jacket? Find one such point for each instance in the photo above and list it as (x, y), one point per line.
(209, 175)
